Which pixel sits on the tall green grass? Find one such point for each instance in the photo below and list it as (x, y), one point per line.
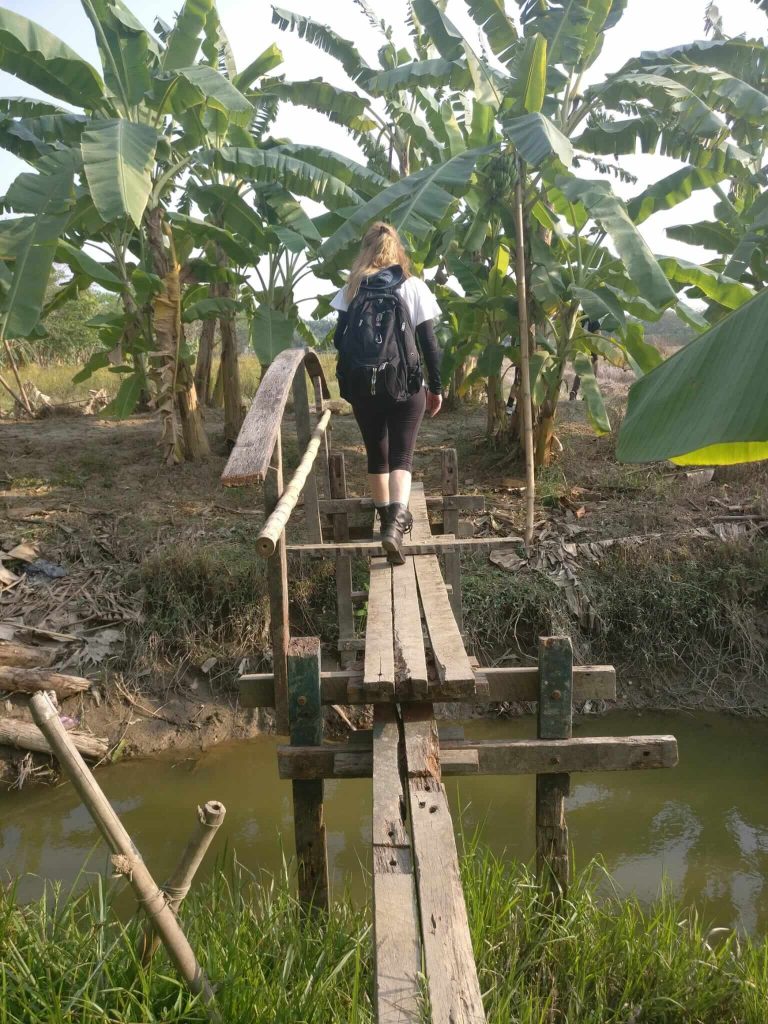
(592, 961)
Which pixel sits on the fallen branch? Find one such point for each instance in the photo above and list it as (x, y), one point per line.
(23, 656)
(26, 736)
(32, 680)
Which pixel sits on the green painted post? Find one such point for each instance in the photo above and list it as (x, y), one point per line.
(554, 723)
(305, 719)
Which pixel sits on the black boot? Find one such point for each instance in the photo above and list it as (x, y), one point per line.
(399, 522)
(382, 511)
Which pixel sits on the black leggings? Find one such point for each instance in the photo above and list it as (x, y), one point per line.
(390, 429)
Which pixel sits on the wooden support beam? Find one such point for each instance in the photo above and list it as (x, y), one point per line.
(304, 434)
(503, 685)
(345, 611)
(397, 944)
(274, 528)
(437, 545)
(453, 986)
(496, 757)
(460, 502)
(277, 589)
(451, 525)
(554, 723)
(305, 715)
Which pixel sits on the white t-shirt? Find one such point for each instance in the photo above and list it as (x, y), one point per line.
(418, 300)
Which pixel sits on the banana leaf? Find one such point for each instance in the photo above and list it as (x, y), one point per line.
(706, 404)
(119, 156)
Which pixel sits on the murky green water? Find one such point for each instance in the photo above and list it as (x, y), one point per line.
(703, 825)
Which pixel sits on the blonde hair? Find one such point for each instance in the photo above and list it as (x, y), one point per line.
(381, 248)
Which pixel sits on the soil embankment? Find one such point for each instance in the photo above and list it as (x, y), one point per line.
(159, 597)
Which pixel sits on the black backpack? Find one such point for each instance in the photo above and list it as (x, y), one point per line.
(377, 353)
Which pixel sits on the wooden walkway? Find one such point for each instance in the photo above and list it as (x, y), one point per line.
(413, 655)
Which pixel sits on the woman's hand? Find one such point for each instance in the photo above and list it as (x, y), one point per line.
(434, 403)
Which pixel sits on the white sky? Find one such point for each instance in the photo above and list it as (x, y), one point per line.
(647, 25)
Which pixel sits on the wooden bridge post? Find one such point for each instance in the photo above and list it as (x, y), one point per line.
(451, 525)
(304, 433)
(345, 610)
(277, 587)
(555, 723)
(305, 715)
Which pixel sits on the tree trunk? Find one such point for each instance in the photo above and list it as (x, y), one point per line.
(230, 367)
(545, 431)
(497, 408)
(204, 363)
(216, 397)
(453, 399)
(177, 396)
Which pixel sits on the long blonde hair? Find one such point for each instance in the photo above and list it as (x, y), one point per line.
(381, 248)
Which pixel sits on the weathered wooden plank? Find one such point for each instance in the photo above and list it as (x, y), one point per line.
(250, 458)
(461, 502)
(356, 764)
(305, 715)
(379, 666)
(504, 685)
(454, 990)
(316, 373)
(451, 525)
(344, 609)
(395, 913)
(304, 436)
(277, 589)
(410, 662)
(555, 713)
(507, 757)
(437, 545)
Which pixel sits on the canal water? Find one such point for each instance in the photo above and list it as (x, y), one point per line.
(702, 827)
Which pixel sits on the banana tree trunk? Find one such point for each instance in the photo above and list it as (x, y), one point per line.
(204, 364)
(497, 409)
(177, 396)
(230, 365)
(453, 398)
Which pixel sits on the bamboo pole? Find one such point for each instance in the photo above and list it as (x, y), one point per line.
(126, 858)
(525, 369)
(267, 540)
(209, 817)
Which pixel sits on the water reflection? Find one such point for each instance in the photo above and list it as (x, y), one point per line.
(704, 824)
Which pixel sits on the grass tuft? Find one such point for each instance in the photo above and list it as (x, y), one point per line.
(604, 960)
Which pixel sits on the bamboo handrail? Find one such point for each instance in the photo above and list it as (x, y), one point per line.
(274, 526)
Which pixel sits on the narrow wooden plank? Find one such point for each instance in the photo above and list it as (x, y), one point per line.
(421, 532)
(304, 434)
(461, 502)
(379, 667)
(277, 589)
(504, 685)
(395, 914)
(305, 715)
(451, 525)
(437, 545)
(507, 757)
(555, 713)
(250, 458)
(411, 677)
(454, 989)
(357, 764)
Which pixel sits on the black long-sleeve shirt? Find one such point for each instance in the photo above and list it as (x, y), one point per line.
(427, 342)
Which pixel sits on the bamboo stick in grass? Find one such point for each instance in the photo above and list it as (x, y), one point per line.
(209, 817)
(125, 857)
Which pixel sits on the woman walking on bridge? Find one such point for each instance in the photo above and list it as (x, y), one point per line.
(386, 316)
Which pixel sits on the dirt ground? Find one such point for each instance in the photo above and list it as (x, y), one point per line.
(93, 497)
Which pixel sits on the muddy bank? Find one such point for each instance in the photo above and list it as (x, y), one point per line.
(161, 601)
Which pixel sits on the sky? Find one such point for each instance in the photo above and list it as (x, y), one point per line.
(647, 25)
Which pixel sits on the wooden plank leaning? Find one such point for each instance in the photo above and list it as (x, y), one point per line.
(209, 818)
(126, 859)
(305, 715)
(454, 989)
(555, 717)
(397, 962)
(274, 528)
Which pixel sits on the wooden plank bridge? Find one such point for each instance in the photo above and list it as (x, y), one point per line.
(411, 656)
